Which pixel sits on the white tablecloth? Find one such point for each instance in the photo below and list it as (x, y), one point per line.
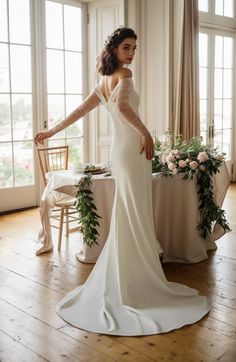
(175, 212)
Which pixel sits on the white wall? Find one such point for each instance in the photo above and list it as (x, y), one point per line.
(150, 19)
(104, 17)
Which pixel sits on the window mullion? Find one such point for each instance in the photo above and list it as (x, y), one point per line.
(211, 86)
(64, 65)
(10, 94)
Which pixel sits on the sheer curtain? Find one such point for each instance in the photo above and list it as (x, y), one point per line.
(185, 97)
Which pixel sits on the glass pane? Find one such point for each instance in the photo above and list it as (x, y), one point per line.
(227, 83)
(203, 83)
(229, 8)
(6, 169)
(218, 114)
(203, 115)
(218, 51)
(218, 140)
(228, 52)
(20, 68)
(227, 113)
(54, 25)
(75, 150)
(5, 118)
(19, 19)
(203, 5)
(23, 163)
(3, 21)
(219, 7)
(22, 116)
(55, 143)
(227, 143)
(72, 24)
(73, 72)
(76, 129)
(55, 71)
(56, 112)
(4, 68)
(203, 135)
(218, 83)
(203, 49)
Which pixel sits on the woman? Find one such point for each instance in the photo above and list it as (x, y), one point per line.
(127, 292)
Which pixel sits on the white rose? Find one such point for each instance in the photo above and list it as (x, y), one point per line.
(219, 157)
(163, 158)
(175, 171)
(175, 152)
(171, 166)
(202, 156)
(170, 158)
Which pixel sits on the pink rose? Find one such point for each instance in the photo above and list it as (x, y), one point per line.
(193, 165)
(182, 164)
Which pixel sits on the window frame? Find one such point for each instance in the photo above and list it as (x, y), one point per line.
(40, 66)
(209, 22)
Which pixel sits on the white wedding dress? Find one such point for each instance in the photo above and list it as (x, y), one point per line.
(127, 293)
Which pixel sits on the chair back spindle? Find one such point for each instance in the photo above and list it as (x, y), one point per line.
(52, 159)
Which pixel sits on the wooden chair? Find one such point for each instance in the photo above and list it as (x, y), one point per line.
(56, 159)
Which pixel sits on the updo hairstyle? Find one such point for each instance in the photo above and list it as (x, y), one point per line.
(107, 61)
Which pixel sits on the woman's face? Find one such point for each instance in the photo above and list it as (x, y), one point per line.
(125, 51)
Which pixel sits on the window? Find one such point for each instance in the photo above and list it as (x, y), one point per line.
(41, 62)
(64, 72)
(224, 8)
(16, 124)
(217, 78)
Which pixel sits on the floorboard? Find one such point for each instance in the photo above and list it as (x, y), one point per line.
(31, 331)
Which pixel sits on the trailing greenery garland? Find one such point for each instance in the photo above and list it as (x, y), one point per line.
(193, 158)
(88, 218)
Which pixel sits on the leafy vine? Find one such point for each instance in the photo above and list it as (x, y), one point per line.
(88, 218)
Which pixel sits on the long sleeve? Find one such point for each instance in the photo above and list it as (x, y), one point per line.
(123, 104)
(88, 104)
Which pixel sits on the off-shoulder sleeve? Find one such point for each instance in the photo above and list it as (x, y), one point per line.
(123, 105)
(88, 104)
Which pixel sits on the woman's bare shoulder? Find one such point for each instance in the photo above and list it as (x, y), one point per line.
(124, 73)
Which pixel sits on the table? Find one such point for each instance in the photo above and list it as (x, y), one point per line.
(175, 212)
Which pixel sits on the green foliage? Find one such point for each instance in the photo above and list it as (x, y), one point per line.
(88, 218)
(210, 212)
(191, 158)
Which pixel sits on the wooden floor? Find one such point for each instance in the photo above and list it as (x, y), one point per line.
(31, 286)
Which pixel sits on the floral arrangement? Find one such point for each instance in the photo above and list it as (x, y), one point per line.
(88, 218)
(188, 158)
(191, 158)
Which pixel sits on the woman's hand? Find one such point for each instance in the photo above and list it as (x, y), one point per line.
(147, 145)
(41, 136)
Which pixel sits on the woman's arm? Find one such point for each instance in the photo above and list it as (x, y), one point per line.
(123, 105)
(89, 103)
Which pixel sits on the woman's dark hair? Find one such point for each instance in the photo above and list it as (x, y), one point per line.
(107, 61)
